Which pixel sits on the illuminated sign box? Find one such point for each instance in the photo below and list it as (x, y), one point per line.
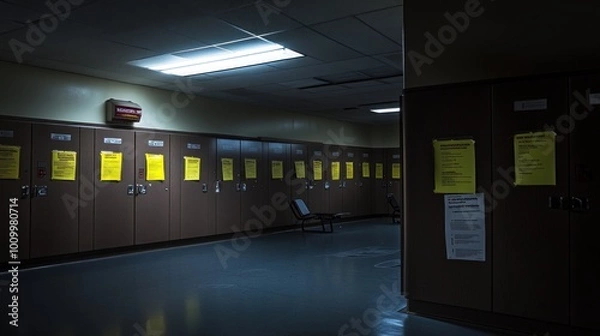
(123, 111)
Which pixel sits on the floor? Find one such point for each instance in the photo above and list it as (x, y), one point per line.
(288, 283)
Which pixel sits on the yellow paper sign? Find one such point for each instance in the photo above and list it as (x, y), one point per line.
(300, 169)
(454, 166)
(192, 167)
(277, 169)
(366, 170)
(396, 171)
(318, 170)
(250, 168)
(335, 170)
(349, 170)
(155, 167)
(64, 165)
(379, 171)
(227, 169)
(535, 158)
(10, 157)
(111, 165)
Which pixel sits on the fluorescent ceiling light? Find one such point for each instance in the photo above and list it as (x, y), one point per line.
(229, 61)
(387, 110)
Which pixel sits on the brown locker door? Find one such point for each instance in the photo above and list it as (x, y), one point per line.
(152, 199)
(55, 203)
(196, 199)
(364, 184)
(228, 196)
(299, 186)
(380, 185)
(114, 201)
(585, 186)
(280, 152)
(252, 190)
(394, 185)
(16, 134)
(336, 192)
(531, 242)
(350, 183)
(318, 191)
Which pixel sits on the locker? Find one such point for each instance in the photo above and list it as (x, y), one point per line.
(299, 186)
(193, 200)
(318, 191)
(280, 152)
(364, 200)
(582, 122)
(55, 203)
(253, 190)
(114, 200)
(227, 191)
(336, 192)
(350, 184)
(380, 183)
(152, 192)
(17, 134)
(393, 157)
(531, 241)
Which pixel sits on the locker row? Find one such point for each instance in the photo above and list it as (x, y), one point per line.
(82, 188)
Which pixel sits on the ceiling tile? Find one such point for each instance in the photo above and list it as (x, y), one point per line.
(315, 11)
(312, 44)
(303, 83)
(258, 19)
(387, 22)
(208, 30)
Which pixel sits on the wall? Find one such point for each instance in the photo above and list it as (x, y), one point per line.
(47, 94)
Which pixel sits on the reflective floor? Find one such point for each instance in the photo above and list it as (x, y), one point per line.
(289, 283)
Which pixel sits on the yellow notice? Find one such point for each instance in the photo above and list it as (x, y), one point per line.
(535, 158)
(277, 169)
(396, 171)
(10, 157)
(64, 165)
(349, 170)
(318, 170)
(379, 171)
(227, 169)
(300, 169)
(155, 167)
(192, 168)
(454, 166)
(111, 165)
(366, 170)
(335, 170)
(250, 169)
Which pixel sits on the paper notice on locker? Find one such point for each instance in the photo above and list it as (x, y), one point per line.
(250, 169)
(454, 166)
(64, 165)
(379, 171)
(335, 170)
(155, 167)
(396, 171)
(366, 170)
(111, 165)
(318, 170)
(227, 169)
(277, 169)
(349, 170)
(535, 158)
(192, 168)
(465, 226)
(10, 157)
(300, 169)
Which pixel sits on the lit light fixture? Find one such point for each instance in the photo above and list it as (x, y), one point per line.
(217, 58)
(386, 110)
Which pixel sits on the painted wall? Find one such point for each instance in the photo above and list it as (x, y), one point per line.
(47, 94)
(452, 41)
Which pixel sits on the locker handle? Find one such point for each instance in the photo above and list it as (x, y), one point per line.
(238, 187)
(218, 186)
(204, 188)
(580, 204)
(25, 192)
(141, 189)
(244, 187)
(556, 203)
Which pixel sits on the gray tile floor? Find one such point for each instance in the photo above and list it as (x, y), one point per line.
(289, 283)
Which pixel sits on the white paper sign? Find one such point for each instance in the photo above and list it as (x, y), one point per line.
(465, 227)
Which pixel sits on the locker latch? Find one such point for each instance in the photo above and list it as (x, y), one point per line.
(141, 189)
(580, 204)
(130, 190)
(204, 188)
(557, 203)
(327, 185)
(40, 191)
(24, 192)
(244, 187)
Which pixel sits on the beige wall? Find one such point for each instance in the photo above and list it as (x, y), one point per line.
(46, 94)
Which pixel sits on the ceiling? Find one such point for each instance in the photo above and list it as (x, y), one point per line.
(353, 49)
